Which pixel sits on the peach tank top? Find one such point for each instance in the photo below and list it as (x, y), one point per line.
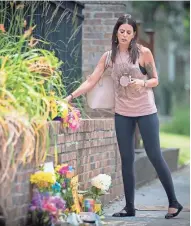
(128, 101)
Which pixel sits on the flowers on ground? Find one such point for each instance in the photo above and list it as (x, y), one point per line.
(56, 195)
(43, 180)
(56, 187)
(46, 208)
(100, 186)
(102, 182)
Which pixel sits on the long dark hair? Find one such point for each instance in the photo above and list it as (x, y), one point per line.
(133, 48)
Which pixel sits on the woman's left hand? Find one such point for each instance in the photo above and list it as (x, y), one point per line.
(137, 84)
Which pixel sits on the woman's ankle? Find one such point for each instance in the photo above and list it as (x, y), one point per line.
(130, 207)
(174, 204)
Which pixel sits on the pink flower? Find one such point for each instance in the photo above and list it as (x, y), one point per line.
(49, 207)
(74, 125)
(78, 112)
(63, 170)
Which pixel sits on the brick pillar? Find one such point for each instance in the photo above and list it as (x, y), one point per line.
(99, 20)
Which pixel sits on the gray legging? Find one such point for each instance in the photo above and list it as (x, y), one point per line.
(149, 129)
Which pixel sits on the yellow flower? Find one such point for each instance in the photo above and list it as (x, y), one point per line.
(53, 108)
(65, 125)
(64, 110)
(43, 179)
(97, 208)
(65, 113)
(58, 167)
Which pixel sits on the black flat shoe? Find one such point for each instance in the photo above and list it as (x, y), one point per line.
(125, 213)
(177, 206)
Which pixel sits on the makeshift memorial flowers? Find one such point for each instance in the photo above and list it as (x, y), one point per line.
(100, 186)
(64, 173)
(46, 209)
(102, 183)
(56, 197)
(43, 180)
(64, 112)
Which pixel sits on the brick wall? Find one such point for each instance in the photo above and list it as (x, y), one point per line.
(91, 150)
(99, 20)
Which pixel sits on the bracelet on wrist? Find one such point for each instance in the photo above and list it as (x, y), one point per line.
(72, 96)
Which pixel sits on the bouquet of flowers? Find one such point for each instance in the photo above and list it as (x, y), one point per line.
(43, 180)
(64, 174)
(64, 112)
(56, 195)
(101, 183)
(100, 186)
(46, 209)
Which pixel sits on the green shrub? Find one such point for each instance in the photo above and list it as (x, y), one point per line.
(180, 123)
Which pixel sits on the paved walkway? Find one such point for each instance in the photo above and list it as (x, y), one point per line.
(152, 203)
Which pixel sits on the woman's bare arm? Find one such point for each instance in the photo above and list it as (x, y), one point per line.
(91, 81)
(150, 68)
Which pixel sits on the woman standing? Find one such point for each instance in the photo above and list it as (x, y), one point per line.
(134, 74)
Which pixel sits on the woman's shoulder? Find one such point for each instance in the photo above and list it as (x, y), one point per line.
(143, 50)
(145, 53)
(106, 57)
(106, 54)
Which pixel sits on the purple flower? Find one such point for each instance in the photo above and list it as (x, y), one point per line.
(32, 208)
(59, 202)
(36, 202)
(64, 184)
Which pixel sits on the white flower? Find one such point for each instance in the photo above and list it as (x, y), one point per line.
(102, 181)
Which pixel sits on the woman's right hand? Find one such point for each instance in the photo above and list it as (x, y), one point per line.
(68, 99)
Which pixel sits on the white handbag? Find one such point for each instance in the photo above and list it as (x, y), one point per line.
(101, 96)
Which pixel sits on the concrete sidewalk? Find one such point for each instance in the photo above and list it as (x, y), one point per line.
(151, 202)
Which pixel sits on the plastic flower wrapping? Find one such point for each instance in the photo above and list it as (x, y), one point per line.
(56, 197)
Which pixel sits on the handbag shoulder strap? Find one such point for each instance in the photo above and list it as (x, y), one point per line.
(108, 59)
